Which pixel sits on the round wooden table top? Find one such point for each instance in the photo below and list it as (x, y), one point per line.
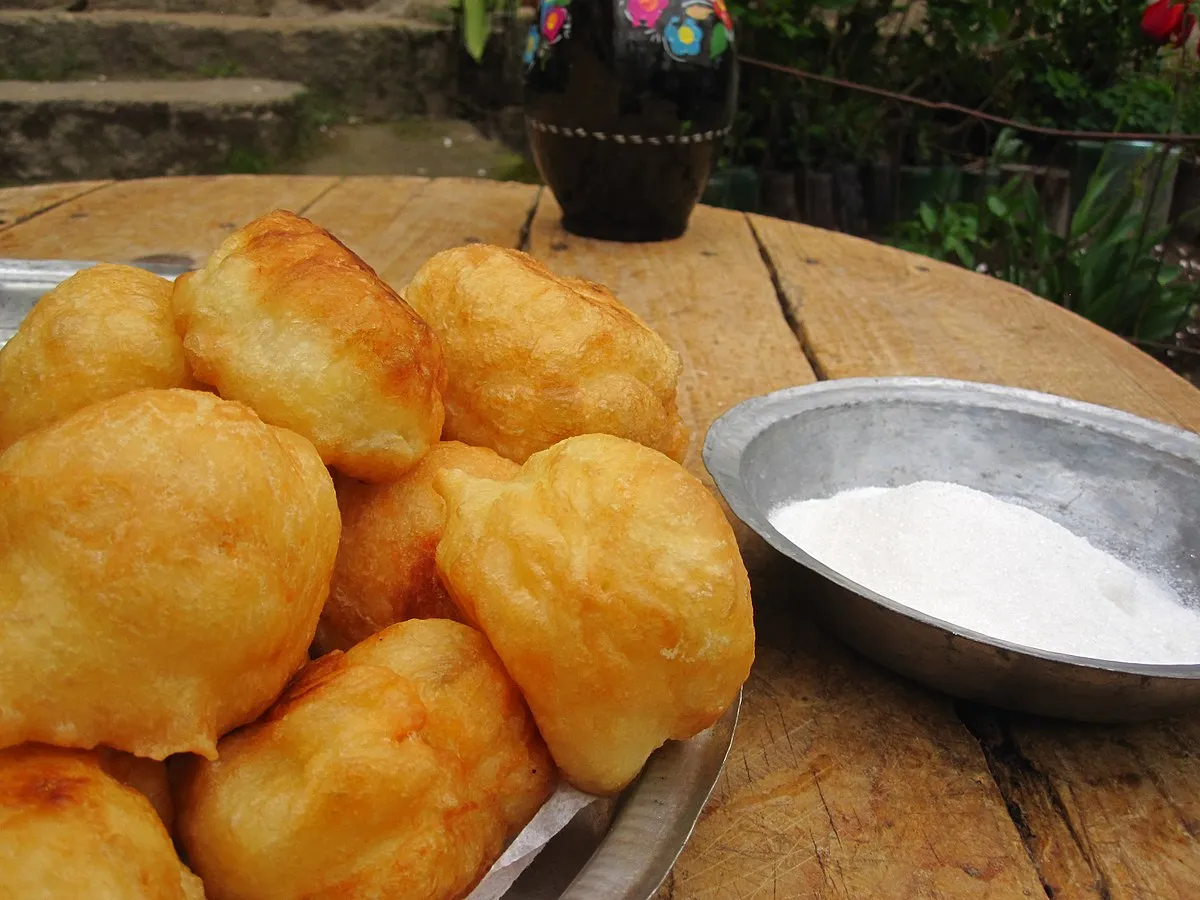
(844, 781)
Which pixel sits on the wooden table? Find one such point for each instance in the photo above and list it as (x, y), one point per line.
(844, 781)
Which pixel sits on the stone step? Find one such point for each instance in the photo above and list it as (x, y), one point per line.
(242, 7)
(372, 66)
(55, 131)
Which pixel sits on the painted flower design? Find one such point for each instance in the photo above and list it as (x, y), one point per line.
(554, 22)
(644, 13)
(532, 40)
(722, 12)
(683, 37)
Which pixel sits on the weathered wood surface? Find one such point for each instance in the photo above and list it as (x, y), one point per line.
(844, 781)
(20, 203)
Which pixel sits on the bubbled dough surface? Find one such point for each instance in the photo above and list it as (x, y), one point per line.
(164, 557)
(398, 769)
(385, 571)
(288, 321)
(103, 332)
(69, 830)
(610, 584)
(534, 358)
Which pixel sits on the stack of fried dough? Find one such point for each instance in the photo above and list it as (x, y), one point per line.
(310, 590)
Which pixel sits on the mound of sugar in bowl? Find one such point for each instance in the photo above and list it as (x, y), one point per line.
(983, 564)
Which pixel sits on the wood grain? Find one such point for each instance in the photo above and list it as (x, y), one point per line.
(395, 224)
(1106, 813)
(172, 220)
(843, 781)
(20, 203)
(866, 309)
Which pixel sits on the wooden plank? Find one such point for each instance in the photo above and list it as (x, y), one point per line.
(20, 203)
(843, 781)
(866, 309)
(173, 220)
(1106, 813)
(396, 224)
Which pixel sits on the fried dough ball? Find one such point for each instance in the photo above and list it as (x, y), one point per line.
(103, 332)
(398, 769)
(146, 776)
(164, 557)
(68, 829)
(288, 321)
(149, 777)
(385, 571)
(610, 584)
(534, 358)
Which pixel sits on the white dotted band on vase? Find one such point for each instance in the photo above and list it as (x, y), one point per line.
(700, 137)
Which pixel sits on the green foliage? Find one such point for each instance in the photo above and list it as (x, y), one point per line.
(1076, 64)
(474, 19)
(1106, 267)
(221, 69)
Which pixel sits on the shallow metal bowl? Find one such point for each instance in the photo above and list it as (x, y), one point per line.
(1129, 486)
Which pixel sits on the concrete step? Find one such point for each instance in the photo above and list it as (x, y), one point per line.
(376, 67)
(51, 131)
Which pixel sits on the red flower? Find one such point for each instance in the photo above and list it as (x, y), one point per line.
(1166, 21)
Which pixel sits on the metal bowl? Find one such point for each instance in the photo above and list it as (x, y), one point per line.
(1127, 485)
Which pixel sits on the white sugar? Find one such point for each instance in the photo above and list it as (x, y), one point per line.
(980, 563)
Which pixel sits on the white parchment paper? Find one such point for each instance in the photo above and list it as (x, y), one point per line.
(552, 818)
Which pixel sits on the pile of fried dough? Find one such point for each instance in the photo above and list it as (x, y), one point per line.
(321, 589)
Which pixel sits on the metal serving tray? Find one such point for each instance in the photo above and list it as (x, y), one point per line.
(617, 849)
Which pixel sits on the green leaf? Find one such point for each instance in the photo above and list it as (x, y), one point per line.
(719, 42)
(997, 206)
(966, 257)
(477, 23)
(1090, 211)
(928, 216)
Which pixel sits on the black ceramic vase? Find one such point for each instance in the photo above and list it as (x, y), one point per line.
(626, 105)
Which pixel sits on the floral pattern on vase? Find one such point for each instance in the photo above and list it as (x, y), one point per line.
(626, 113)
(555, 22)
(532, 41)
(644, 13)
(683, 37)
(688, 30)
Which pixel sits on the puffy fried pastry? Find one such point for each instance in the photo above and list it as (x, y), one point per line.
(385, 570)
(398, 769)
(164, 557)
(146, 776)
(610, 584)
(534, 358)
(288, 321)
(103, 332)
(68, 829)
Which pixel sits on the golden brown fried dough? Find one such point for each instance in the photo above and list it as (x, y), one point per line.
(398, 769)
(385, 571)
(164, 557)
(67, 829)
(146, 776)
(534, 358)
(610, 584)
(288, 321)
(101, 333)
